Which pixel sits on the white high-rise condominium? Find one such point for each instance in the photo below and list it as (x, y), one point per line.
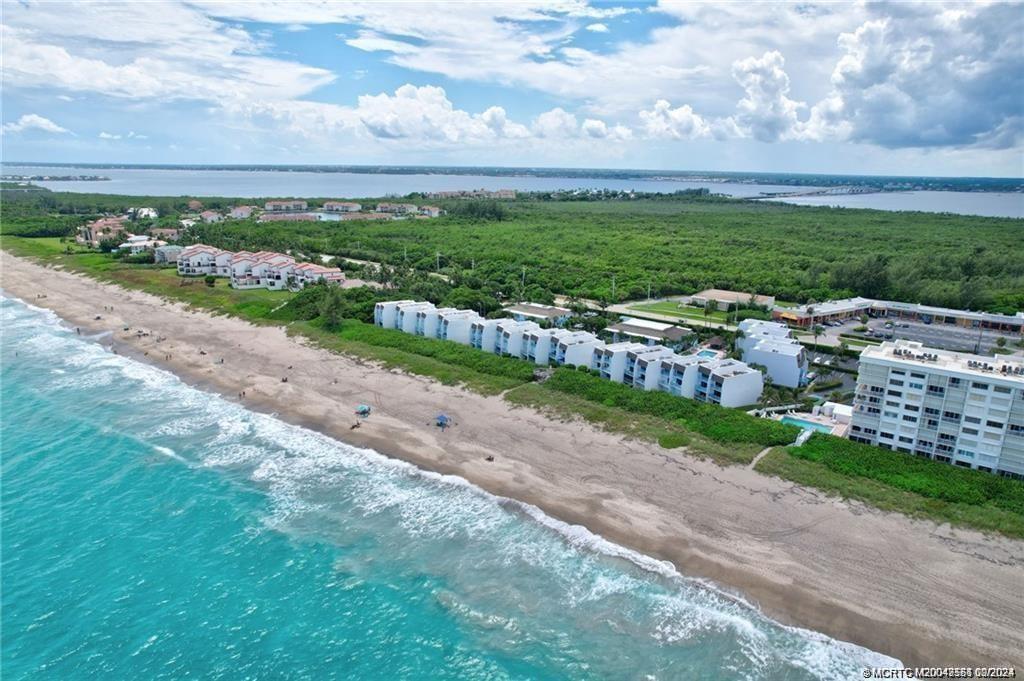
(958, 408)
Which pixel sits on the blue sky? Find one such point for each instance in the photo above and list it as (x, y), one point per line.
(801, 87)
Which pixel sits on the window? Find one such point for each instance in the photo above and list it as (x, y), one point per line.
(994, 424)
(979, 386)
(931, 411)
(925, 444)
(917, 386)
(876, 389)
(894, 393)
(893, 381)
(936, 390)
(947, 437)
(931, 423)
(1016, 429)
(970, 431)
(870, 431)
(965, 454)
(972, 419)
(887, 436)
(911, 419)
(954, 381)
(890, 414)
(906, 439)
(892, 403)
(912, 407)
(873, 410)
(898, 372)
(916, 375)
(951, 415)
(1001, 389)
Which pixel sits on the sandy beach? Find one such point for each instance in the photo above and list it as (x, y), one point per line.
(924, 593)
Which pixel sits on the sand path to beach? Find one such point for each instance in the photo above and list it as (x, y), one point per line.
(924, 593)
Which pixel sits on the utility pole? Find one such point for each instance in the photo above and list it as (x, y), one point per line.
(523, 292)
(439, 261)
(648, 290)
(613, 288)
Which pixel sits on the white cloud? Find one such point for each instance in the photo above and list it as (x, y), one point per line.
(34, 122)
(600, 130)
(680, 123)
(557, 123)
(109, 136)
(597, 28)
(132, 135)
(766, 112)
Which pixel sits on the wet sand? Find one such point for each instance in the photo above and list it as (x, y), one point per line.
(924, 593)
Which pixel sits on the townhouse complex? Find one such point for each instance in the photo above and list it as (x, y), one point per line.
(958, 408)
(263, 269)
(707, 378)
(773, 346)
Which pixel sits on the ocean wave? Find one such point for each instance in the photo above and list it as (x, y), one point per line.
(306, 474)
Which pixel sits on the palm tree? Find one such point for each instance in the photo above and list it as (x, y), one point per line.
(816, 330)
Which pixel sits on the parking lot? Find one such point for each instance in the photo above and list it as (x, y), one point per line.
(942, 336)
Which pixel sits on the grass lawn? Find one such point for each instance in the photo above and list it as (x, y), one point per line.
(686, 312)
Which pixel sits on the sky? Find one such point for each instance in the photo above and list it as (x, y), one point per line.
(902, 89)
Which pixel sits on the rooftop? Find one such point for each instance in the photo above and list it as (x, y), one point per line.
(733, 296)
(538, 311)
(915, 353)
(641, 328)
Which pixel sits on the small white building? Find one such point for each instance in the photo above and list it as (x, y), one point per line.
(144, 213)
(140, 243)
(310, 273)
(397, 208)
(455, 326)
(167, 254)
(577, 349)
(405, 317)
(430, 211)
(610, 360)
(509, 339)
(242, 212)
(483, 332)
(209, 216)
(536, 312)
(384, 312)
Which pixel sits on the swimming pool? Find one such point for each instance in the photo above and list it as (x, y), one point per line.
(707, 353)
(807, 425)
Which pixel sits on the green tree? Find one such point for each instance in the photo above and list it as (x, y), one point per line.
(331, 305)
(210, 280)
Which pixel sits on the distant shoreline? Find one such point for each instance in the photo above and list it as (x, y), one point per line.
(882, 183)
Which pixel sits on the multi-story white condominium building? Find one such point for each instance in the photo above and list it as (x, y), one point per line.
(309, 273)
(509, 339)
(284, 206)
(577, 349)
(200, 260)
(483, 332)
(678, 374)
(610, 360)
(428, 319)
(643, 368)
(539, 346)
(952, 407)
(728, 382)
(455, 326)
(771, 345)
(342, 207)
(405, 317)
(384, 312)
(756, 330)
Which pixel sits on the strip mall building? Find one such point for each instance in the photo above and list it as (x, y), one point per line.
(849, 308)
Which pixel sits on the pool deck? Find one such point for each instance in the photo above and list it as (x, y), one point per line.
(839, 429)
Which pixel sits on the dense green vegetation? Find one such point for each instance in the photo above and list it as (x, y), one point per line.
(902, 483)
(675, 245)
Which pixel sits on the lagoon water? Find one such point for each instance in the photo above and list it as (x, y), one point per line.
(304, 184)
(152, 530)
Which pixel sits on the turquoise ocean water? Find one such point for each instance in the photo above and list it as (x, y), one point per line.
(152, 530)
